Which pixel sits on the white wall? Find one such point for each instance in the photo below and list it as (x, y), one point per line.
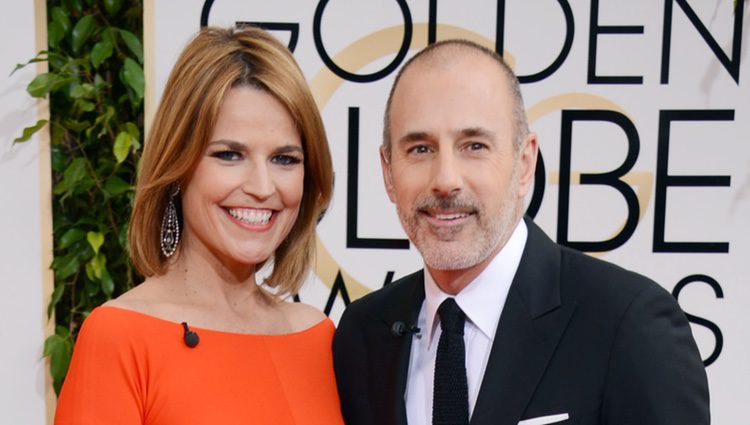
(24, 224)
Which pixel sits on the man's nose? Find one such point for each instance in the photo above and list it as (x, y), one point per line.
(446, 174)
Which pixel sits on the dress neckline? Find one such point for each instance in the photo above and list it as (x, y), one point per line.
(157, 319)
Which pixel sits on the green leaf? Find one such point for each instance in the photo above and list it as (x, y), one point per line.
(75, 5)
(55, 34)
(60, 187)
(101, 51)
(67, 266)
(86, 106)
(61, 18)
(50, 344)
(84, 90)
(116, 186)
(132, 129)
(36, 59)
(56, 296)
(108, 285)
(75, 171)
(109, 34)
(112, 6)
(62, 331)
(82, 31)
(56, 61)
(90, 271)
(96, 240)
(98, 264)
(59, 349)
(76, 126)
(59, 157)
(99, 82)
(29, 131)
(72, 175)
(92, 288)
(123, 142)
(133, 43)
(132, 74)
(42, 84)
(70, 237)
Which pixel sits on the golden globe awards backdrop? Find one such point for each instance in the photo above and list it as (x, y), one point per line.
(643, 114)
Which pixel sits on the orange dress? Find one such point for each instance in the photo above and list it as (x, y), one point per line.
(132, 368)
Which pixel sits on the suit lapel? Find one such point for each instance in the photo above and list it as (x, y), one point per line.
(394, 350)
(530, 326)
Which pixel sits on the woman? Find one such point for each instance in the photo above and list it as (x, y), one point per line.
(235, 174)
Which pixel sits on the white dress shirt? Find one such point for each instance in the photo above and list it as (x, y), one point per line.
(482, 301)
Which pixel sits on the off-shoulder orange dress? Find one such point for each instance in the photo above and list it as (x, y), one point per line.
(130, 368)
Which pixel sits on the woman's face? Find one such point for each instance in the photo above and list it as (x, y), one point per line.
(245, 194)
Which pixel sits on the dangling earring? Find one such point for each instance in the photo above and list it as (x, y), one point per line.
(170, 227)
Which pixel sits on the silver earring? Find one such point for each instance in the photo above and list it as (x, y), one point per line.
(170, 227)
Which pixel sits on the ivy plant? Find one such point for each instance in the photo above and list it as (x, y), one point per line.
(95, 87)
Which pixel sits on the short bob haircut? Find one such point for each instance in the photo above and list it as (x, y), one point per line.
(213, 63)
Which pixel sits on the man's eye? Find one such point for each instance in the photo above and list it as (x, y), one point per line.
(286, 159)
(477, 146)
(419, 149)
(227, 155)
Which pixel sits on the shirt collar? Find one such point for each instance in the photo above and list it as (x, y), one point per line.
(482, 300)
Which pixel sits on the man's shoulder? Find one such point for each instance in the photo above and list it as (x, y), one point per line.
(595, 281)
(584, 276)
(582, 269)
(381, 298)
(391, 291)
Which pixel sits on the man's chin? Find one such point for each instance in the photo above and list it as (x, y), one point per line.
(449, 257)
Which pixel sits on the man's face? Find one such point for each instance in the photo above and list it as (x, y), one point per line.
(456, 179)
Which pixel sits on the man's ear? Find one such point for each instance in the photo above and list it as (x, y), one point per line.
(529, 150)
(385, 166)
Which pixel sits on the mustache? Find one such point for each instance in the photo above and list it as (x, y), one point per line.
(446, 203)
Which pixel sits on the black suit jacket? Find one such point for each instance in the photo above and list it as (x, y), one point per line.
(577, 335)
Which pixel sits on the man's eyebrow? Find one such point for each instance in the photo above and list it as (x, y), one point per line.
(414, 136)
(476, 132)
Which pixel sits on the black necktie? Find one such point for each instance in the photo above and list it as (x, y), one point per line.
(450, 401)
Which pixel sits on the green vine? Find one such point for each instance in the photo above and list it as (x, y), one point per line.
(95, 86)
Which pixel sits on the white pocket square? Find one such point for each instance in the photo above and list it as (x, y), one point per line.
(544, 420)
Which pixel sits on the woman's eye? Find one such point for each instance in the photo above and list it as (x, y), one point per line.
(286, 159)
(227, 155)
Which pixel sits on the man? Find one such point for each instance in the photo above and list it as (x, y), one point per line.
(503, 326)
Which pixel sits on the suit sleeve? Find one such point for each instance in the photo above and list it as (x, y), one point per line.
(350, 364)
(656, 375)
(102, 385)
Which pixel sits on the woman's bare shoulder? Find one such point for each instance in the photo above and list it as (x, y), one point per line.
(302, 316)
(142, 298)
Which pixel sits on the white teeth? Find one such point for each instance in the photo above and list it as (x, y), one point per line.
(250, 216)
(450, 216)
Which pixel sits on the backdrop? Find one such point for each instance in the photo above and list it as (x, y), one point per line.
(642, 111)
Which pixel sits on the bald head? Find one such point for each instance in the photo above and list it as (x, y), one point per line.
(444, 54)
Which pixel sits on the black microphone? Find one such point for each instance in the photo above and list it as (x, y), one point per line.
(400, 329)
(191, 338)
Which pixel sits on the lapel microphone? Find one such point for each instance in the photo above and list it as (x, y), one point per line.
(191, 338)
(400, 329)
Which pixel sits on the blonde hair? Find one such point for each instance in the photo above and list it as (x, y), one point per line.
(214, 62)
